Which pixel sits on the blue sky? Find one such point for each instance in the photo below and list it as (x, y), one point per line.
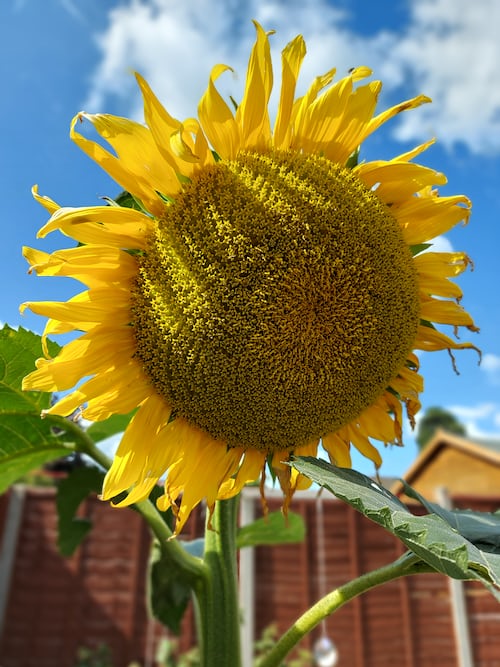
(61, 56)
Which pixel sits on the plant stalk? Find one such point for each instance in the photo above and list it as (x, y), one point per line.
(218, 614)
(407, 564)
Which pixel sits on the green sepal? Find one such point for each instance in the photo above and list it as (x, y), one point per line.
(127, 200)
(71, 491)
(353, 159)
(419, 247)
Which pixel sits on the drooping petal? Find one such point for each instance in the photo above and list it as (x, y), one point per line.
(431, 340)
(423, 218)
(249, 470)
(132, 461)
(96, 351)
(93, 265)
(435, 270)
(446, 312)
(112, 225)
(338, 450)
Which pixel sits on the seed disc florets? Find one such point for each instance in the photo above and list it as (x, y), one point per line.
(276, 300)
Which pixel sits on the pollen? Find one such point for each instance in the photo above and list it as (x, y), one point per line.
(275, 301)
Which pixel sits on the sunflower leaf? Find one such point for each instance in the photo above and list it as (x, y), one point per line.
(272, 529)
(71, 491)
(481, 528)
(27, 441)
(168, 595)
(431, 537)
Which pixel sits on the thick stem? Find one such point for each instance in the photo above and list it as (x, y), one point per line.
(217, 596)
(409, 563)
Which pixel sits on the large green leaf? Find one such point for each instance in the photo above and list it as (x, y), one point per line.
(430, 537)
(26, 440)
(481, 528)
(70, 493)
(272, 529)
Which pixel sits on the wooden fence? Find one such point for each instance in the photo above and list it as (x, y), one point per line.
(50, 606)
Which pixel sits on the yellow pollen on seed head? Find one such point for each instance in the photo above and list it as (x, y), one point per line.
(276, 300)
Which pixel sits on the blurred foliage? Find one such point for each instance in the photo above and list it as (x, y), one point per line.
(435, 418)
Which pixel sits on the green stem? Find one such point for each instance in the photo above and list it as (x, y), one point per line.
(409, 563)
(189, 568)
(217, 598)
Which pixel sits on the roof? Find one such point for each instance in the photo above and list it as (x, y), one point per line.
(488, 450)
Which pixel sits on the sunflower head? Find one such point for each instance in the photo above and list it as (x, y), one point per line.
(265, 294)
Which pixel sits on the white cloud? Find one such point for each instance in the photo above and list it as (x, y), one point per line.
(449, 50)
(441, 244)
(490, 364)
(175, 45)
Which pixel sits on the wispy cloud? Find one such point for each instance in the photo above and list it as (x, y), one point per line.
(482, 421)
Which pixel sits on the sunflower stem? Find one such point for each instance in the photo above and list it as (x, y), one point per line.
(407, 564)
(218, 612)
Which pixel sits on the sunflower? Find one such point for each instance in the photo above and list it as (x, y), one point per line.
(264, 293)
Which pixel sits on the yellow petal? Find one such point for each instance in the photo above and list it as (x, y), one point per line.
(435, 269)
(250, 469)
(96, 351)
(430, 340)
(397, 181)
(205, 465)
(110, 225)
(161, 124)
(138, 166)
(48, 203)
(409, 155)
(352, 127)
(252, 115)
(338, 450)
(362, 444)
(291, 61)
(117, 391)
(303, 104)
(132, 459)
(393, 111)
(217, 118)
(445, 312)
(87, 308)
(93, 265)
(423, 218)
